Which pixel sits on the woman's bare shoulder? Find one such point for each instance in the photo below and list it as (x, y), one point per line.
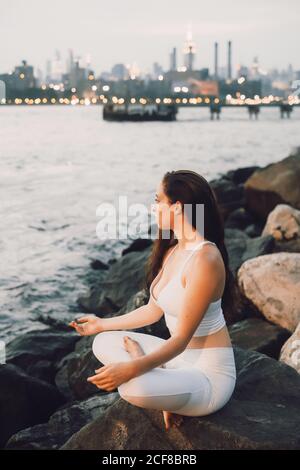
(208, 259)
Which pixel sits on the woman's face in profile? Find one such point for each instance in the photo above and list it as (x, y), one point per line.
(163, 209)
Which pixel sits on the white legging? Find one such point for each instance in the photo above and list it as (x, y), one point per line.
(196, 382)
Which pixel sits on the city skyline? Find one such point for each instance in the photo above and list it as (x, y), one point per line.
(124, 32)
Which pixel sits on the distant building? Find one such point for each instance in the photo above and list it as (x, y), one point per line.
(255, 69)
(173, 59)
(79, 78)
(119, 71)
(77, 75)
(183, 75)
(235, 88)
(229, 60)
(157, 70)
(57, 68)
(189, 52)
(242, 71)
(216, 61)
(39, 77)
(290, 73)
(23, 77)
(222, 72)
(187, 81)
(48, 71)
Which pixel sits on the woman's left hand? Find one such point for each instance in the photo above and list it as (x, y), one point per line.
(110, 376)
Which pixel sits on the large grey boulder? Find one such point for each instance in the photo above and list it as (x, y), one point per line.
(67, 420)
(259, 335)
(272, 283)
(283, 223)
(38, 352)
(290, 351)
(24, 401)
(240, 247)
(123, 279)
(277, 183)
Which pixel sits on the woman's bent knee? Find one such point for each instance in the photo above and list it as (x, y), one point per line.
(99, 340)
(101, 345)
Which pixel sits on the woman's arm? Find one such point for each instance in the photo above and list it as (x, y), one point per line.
(170, 349)
(142, 316)
(201, 284)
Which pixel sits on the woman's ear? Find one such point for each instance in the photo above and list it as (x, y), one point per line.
(178, 208)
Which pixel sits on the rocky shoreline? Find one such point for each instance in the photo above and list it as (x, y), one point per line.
(46, 402)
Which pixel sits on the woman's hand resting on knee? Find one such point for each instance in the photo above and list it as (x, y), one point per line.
(88, 325)
(111, 376)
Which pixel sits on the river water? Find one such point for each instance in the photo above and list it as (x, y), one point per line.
(58, 164)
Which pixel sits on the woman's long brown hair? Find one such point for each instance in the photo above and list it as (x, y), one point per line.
(191, 188)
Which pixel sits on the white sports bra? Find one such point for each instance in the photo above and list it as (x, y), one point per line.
(170, 296)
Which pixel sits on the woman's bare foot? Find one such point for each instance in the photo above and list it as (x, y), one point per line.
(134, 348)
(172, 419)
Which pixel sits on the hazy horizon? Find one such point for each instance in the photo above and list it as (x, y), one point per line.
(131, 32)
